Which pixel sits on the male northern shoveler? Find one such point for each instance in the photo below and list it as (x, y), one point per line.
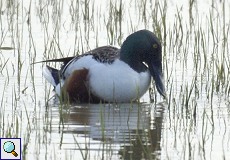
(110, 74)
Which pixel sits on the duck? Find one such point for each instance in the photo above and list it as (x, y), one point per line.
(109, 74)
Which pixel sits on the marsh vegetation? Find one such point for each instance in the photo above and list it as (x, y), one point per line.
(193, 124)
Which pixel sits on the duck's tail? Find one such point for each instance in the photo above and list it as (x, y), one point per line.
(52, 75)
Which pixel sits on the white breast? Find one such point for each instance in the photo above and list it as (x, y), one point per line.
(112, 82)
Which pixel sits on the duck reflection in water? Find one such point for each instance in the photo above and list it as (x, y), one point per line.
(135, 128)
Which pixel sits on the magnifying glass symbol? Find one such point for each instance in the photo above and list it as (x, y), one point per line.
(9, 147)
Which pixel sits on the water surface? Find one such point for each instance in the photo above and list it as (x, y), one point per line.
(193, 124)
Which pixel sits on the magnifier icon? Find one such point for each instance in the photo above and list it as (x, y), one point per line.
(9, 147)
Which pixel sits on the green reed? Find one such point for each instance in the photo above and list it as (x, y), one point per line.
(195, 61)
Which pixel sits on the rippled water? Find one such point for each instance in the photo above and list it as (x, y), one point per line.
(193, 124)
